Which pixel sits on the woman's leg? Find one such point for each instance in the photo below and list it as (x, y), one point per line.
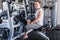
(25, 35)
(30, 26)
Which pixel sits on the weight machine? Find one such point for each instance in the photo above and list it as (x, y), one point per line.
(50, 11)
(8, 20)
(9, 23)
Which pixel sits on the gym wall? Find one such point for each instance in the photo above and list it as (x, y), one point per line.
(58, 12)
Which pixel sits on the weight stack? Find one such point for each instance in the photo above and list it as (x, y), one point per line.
(4, 32)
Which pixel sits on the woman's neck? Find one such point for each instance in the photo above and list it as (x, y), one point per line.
(38, 8)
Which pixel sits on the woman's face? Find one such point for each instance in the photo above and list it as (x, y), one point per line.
(37, 5)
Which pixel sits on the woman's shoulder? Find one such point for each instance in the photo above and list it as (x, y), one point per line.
(41, 9)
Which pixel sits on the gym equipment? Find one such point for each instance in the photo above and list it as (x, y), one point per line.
(12, 22)
(23, 34)
(8, 20)
(55, 13)
(51, 14)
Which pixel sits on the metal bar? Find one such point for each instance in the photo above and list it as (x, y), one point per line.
(24, 2)
(22, 34)
(43, 35)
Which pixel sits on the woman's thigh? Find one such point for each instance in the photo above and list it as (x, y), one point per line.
(32, 26)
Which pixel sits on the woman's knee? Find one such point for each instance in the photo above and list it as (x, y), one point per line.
(28, 21)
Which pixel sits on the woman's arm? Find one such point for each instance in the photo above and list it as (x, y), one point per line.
(38, 17)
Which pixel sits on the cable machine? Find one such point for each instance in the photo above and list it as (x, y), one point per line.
(51, 7)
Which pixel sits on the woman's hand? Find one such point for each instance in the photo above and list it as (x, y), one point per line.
(33, 22)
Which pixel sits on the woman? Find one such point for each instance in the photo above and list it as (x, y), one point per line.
(38, 22)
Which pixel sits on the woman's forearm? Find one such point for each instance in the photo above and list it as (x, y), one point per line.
(38, 18)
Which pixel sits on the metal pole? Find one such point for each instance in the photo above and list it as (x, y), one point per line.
(9, 20)
(55, 14)
(43, 35)
(24, 2)
(22, 34)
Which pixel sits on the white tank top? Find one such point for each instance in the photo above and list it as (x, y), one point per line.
(40, 22)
